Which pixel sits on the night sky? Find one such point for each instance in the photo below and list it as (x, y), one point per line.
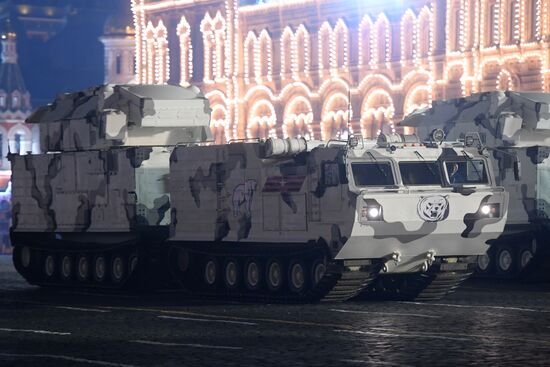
(70, 60)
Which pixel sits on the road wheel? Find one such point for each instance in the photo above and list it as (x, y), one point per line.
(118, 269)
(210, 272)
(83, 268)
(483, 263)
(133, 263)
(26, 257)
(182, 260)
(505, 263)
(66, 267)
(49, 266)
(318, 269)
(252, 276)
(525, 256)
(231, 274)
(100, 268)
(274, 275)
(296, 276)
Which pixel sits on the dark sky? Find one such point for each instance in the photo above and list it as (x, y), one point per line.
(69, 61)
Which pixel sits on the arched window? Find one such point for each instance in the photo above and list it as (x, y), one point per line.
(162, 71)
(265, 54)
(424, 34)
(340, 35)
(513, 21)
(492, 27)
(286, 51)
(325, 45)
(364, 40)
(2, 100)
(408, 36)
(302, 50)
(15, 100)
(249, 56)
(186, 52)
(382, 39)
(457, 30)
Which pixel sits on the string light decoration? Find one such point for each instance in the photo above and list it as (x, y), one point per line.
(505, 81)
(287, 51)
(183, 31)
(378, 108)
(335, 117)
(262, 120)
(300, 52)
(499, 35)
(408, 37)
(298, 118)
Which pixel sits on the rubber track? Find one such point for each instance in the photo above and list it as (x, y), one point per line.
(421, 287)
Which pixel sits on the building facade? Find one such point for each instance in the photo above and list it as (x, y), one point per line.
(326, 68)
(15, 135)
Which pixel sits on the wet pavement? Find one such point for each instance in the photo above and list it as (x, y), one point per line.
(484, 323)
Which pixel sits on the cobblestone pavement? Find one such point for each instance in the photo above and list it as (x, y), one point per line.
(483, 323)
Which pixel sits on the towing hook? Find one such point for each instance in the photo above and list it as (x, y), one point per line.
(394, 259)
(430, 256)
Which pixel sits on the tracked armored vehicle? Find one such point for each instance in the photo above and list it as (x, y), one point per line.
(514, 128)
(94, 207)
(300, 220)
(125, 187)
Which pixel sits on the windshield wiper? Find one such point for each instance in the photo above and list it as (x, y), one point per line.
(470, 160)
(378, 165)
(426, 163)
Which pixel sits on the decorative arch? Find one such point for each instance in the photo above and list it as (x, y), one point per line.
(213, 34)
(301, 51)
(298, 116)
(219, 124)
(454, 74)
(424, 33)
(250, 55)
(382, 40)
(505, 81)
(262, 120)
(365, 35)
(183, 31)
(408, 36)
(335, 116)
(377, 113)
(264, 49)
(340, 38)
(325, 45)
(287, 40)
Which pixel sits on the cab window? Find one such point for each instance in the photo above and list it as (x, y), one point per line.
(466, 172)
(420, 173)
(372, 174)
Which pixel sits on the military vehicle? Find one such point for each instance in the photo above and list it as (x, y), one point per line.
(127, 185)
(95, 204)
(514, 128)
(298, 220)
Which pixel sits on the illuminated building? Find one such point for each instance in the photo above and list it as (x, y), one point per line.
(289, 68)
(119, 45)
(15, 135)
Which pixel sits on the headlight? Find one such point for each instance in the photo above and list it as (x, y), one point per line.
(371, 213)
(489, 211)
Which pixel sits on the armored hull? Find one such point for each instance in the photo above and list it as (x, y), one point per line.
(514, 128)
(364, 213)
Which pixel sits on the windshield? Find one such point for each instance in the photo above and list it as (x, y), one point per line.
(420, 173)
(466, 172)
(372, 174)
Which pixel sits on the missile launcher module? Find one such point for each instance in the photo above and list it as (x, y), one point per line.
(514, 130)
(125, 187)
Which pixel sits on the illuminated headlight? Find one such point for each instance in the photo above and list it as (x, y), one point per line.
(489, 211)
(371, 213)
